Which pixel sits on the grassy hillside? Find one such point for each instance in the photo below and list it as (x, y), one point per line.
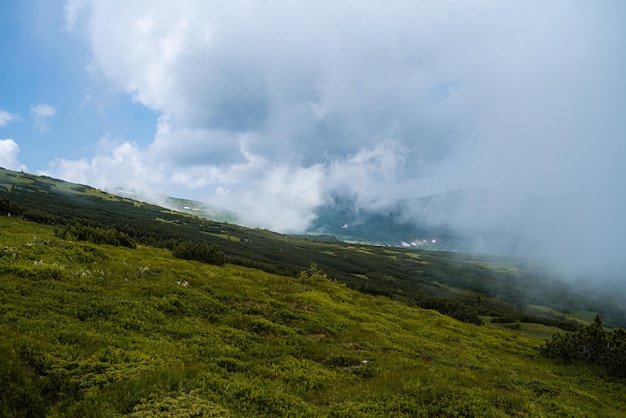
(462, 286)
(98, 330)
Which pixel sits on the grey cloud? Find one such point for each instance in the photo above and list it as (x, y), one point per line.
(190, 147)
(383, 101)
(264, 69)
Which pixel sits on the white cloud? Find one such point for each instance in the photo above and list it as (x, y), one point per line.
(116, 163)
(281, 198)
(372, 175)
(72, 11)
(8, 155)
(523, 96)
(199, 146)
(43, 110)
(6, 117)
(460, 81)
(288, 193)
(41, 113)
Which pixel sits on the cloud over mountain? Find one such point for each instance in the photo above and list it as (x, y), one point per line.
(269, 107)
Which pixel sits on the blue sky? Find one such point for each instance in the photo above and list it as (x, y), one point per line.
(267, 108)
(59, 110)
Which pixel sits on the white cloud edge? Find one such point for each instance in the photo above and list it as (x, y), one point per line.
(41, 113)
(7, 117)
(9, 149)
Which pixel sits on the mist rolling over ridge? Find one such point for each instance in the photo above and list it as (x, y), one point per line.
(252, 108)
(561, 232)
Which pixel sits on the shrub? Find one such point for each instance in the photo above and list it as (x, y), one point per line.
(592, 345)
(20, 389)
(96, 235)
(201, 252)
(312, 275)
(454, 309)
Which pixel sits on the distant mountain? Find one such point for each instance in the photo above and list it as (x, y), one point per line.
(201, 210)
(342, 218)
(191, 207)
(462, 220)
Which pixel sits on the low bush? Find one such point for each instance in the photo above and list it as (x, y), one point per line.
(592, 345)
(202, 252)
(96, 235)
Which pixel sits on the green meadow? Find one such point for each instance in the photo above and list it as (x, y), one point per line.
(101, 330)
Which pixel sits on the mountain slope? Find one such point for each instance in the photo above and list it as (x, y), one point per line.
(459, 285)
(97, 330)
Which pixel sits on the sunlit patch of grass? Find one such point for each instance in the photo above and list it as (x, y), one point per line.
(413, 255)
(360, 276)
(359, 249)
(497, 267)
(583, 317)
(226, 237)
(537, 331)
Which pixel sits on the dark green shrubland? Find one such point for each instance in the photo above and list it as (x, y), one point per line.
(202, 252)
(592, 345)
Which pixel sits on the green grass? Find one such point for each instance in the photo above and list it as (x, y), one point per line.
(499, 267)
(96, 330)
(582, 316)
(535, 331)
(227, 237)
(421, 278)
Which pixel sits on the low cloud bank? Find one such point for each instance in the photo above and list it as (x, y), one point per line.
(576, 235)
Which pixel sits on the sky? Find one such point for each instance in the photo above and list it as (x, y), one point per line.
(269, 107)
